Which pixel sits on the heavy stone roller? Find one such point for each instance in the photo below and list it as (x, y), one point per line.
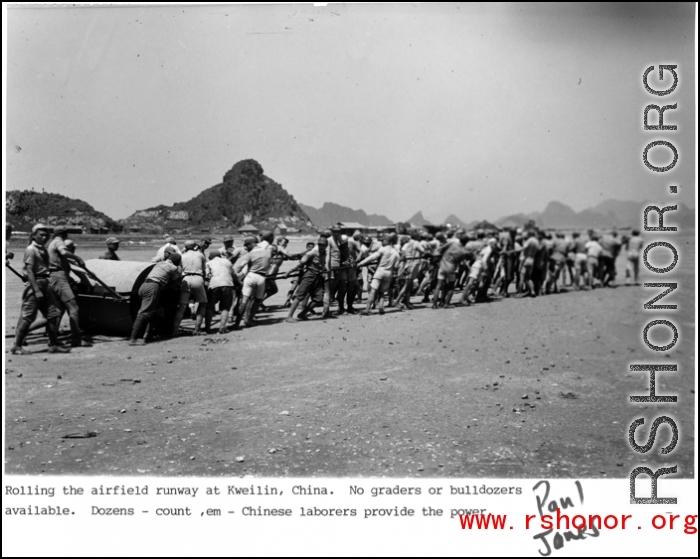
(101, 311)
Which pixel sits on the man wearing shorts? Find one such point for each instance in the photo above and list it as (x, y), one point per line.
(192, 287)
(63, 295)
(373, 245)
(475, 244)
(388, 259)
(257, 263)
(219, 274)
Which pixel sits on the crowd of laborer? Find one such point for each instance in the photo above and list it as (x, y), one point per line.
(334, 270)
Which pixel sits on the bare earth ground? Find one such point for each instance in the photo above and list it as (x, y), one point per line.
(512, 388)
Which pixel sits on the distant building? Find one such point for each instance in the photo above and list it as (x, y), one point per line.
(349, 227)
(434, 229)
(487, 226)
(249, 229)
(377, 230)
(79, 230)
(404, 228)
(280, 230)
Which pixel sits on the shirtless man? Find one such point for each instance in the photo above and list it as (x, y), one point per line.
(611, 249)
(580, 260)
(509, 260)
(634, 248)
(361, 251)
(489, 255)
(539, 274)
(607, 263)
(373, 245)
(451, 254)
(388, 260)
(593, 254)
(530, 249)
(560, 249)
(411, 253)
(279, 255)
(430, 279)
(474, 246)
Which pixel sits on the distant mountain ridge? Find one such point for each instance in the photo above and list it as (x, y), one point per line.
(452, 219)
(418, 219)
(605, 215)
(24, 208)
(246, 196)
(330, 214)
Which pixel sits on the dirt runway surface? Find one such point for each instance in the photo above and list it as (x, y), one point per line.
(512, 388)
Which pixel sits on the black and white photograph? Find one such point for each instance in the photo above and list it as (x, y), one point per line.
(366, 241)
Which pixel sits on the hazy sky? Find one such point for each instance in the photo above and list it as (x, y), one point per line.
(477, 110)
